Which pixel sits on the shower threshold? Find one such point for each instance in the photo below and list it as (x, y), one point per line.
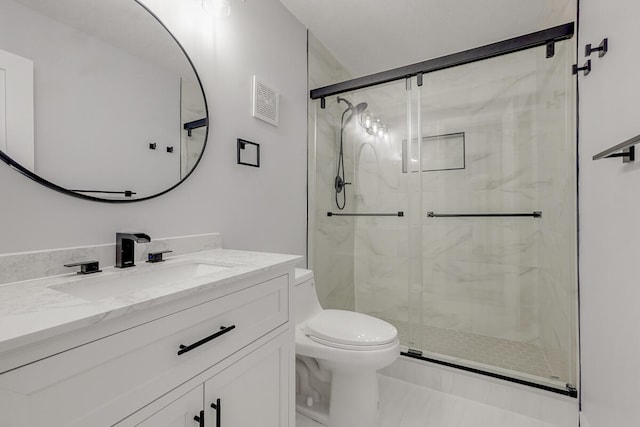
(509, 360)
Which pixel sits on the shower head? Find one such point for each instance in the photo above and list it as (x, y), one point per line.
(360, 108)
(355, 110)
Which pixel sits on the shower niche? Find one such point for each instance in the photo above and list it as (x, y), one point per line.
(438, 153)
(479, 271)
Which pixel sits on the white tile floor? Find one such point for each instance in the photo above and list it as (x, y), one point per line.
(302, 421)
(407, 405)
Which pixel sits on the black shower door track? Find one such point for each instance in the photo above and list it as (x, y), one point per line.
(540, 38)
(569, 390)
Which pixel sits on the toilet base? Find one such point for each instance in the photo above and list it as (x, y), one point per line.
(319, 412)
(354, 397)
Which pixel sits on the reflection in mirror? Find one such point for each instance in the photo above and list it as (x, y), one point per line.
(98, 97)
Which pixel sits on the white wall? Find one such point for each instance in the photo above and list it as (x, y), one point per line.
(259, 209)
(609, 209)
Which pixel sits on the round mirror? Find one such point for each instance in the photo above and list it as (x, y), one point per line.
(97, 99)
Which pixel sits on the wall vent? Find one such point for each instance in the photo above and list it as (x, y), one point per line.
(265, 102)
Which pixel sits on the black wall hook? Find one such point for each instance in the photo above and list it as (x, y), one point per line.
(602, 48)
(586, 68)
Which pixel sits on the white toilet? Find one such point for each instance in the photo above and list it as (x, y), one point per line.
(337, 355)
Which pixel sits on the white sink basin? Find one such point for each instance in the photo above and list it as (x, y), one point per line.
(120, 282)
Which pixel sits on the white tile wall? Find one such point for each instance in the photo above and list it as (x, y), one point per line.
(330, 240)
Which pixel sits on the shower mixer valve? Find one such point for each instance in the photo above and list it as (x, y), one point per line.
(340, 184)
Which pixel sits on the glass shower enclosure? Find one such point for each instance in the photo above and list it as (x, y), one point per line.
(445, 203)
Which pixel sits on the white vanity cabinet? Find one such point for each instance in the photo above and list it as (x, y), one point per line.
(250, 390)
(180, 413)
(235, 345)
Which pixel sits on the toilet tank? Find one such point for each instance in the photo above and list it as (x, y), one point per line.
(305, 298)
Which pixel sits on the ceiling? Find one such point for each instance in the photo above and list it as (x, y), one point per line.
(368, 36)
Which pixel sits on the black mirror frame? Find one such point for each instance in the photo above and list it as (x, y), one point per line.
(18, 167)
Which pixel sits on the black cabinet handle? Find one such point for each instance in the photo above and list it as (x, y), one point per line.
(223, 330)
(218, 409)
(200, 419)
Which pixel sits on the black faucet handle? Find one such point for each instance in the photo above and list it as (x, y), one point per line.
(154, 257)
(86, 267)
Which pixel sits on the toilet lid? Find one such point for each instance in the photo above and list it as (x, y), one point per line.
(350, 328)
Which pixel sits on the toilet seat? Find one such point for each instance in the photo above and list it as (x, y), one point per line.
(350, 331)
(352, 347)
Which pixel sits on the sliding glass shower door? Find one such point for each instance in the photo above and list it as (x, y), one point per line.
(359, 231)
(499, 197)
(445, 204)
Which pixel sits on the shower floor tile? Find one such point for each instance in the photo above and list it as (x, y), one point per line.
(408, 405)
(497, 352)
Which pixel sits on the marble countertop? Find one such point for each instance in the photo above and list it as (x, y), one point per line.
(32, 310)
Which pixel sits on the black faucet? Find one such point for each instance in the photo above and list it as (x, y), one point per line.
(124, 248)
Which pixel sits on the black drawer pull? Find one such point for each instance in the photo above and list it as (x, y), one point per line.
(223, 330)
(199, 419)
(218, 409)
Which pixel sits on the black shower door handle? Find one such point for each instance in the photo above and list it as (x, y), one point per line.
(223, 330)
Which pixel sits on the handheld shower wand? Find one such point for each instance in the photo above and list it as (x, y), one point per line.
(339, 182)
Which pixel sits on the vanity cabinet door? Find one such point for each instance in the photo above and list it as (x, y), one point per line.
(253, 392)
(179, 413)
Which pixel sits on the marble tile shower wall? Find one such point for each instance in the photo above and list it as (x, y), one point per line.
(333, 236)
(331, 240)
(481, 274)
(509, 278)
(382, 243)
